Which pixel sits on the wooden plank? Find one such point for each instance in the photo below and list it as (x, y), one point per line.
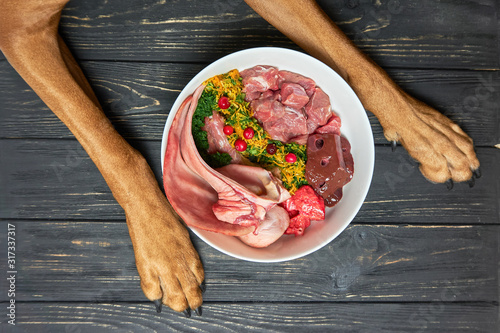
(55, 179)
(409, 33)
(259, 317)
(83, 261)
(138, 97)
(399, 192)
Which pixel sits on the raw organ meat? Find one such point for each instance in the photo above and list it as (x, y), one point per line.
(305, 206)
(236, 204)
(272, 228)
(329, 165)
(217, 140)
(189, 194)
(207, 199)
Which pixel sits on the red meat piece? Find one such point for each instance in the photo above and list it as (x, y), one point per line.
(306, 202)
(298, 225)
(305, 205)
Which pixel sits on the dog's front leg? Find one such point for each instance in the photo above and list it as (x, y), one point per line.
(444, 151)
(168, 264)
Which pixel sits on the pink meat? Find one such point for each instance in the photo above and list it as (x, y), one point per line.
(291, 124)
(318, 109)
(300, 139)
(267, 109)
(259, 79)
(189, 194)
(250, 96)
(217, 140)
(290, 77)
(257, 180)
(332, 126)
(230, 192)
(272, 228)
(311, 126)
(293, 95)
(270, 94)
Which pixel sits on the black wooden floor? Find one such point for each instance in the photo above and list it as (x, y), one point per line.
(417, 257)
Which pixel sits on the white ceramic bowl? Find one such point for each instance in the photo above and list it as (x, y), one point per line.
(355, 127)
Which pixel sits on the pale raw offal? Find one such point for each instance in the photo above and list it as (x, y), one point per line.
(270, 230)
(217, 140)
(236, 203)
(189, 194)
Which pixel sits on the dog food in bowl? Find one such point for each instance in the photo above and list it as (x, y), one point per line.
(242, 160)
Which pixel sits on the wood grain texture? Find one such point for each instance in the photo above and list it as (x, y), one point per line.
(83, 261)
(55, 179)
(260, 317)
(417, 257)
(410, 33)
(137, 97)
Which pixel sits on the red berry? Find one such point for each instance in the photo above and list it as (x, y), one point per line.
(271, 149)
(290, 158)
(224, 102)
(240, 145)
(248, 133)
(228, 130)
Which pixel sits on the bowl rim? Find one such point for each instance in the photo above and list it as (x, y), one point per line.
(202, 75)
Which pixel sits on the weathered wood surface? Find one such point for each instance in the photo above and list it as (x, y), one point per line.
(427, 33)
(417, 257)
(409, 33)
(55, 179)
(138, 96)
(259, 317)
(82, 261)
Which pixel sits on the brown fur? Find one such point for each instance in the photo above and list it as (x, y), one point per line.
(442, 148)
(168, 265)
(167, 262)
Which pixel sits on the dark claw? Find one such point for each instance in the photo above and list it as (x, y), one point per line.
(449, 184)
(472, 182)
(203, 287)
(187, 313)
(198, 311)
(394, 144)
(477, 173)
(158, 305)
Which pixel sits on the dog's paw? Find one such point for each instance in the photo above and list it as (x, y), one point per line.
(442, 148)
(169, 267)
